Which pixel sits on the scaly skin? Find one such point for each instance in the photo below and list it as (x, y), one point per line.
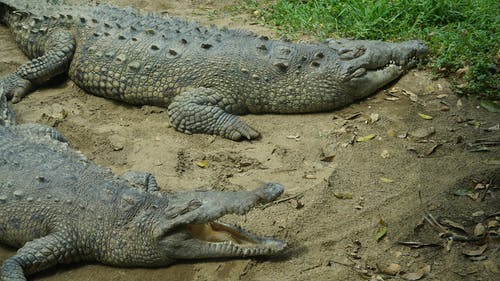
(58, 207)
(205, 76)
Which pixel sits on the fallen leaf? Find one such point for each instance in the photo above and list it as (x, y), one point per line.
(479, 230)
(293, 137)
(480, 148)
(392, 133)
(353, 116)
(463, 191)
(412, 96)
(440, 96)
(477, 252)
(328, 158)
(492, 161)
(391, 98)
(309, 177)
(343, 195)
(366, 138)
(416, 244)
(478, 213)
(456, 225)
(381, 230)
(491, 266)
(478, 258)
(493, 224)
(385, 154)
(490, 106)
(418, 274)
(425, 116)
(374, 117)
(422, 133)
(202, 164)
(493, 128)
(386, 180)
(432, 149)
(392, 269)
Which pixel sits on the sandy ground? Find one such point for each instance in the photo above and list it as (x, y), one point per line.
(410, 167)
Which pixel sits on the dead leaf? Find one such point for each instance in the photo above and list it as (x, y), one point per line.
(381, 230)
(440, 96)
(478, 213)
(425, 116)
(479, 230)
(392, 133)
(456, 225)
(328, 158)
(343, 195)
(417, 244)
(385, 154)
(463, 191)
(432, 149)
(374, 117)
(293, 137)
(493, 128)
(418, 274)
(366, 138)
(492, 161)
(391, 98)
(386, 180)
(477, 252)
(491, 266)
(392, 269)
(412, 96)
(493, 224)
(309, 177)
(202, 164)
(478, 258)
(353, 116)
(422, 133)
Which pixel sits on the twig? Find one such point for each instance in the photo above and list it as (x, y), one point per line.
(433, 222)
(486, 190)
(296, 196)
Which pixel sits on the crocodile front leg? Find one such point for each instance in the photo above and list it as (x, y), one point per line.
(38, 255)
(56, 57)
(204, 110)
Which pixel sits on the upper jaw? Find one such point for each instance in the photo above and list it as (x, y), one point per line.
(191, 231)
(359, 57)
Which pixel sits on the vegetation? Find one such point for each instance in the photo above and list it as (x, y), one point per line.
(462, 34)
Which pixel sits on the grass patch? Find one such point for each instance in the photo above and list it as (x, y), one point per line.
(462, 34)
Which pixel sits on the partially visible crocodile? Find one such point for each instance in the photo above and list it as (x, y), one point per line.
(205, 76)
(58, 207)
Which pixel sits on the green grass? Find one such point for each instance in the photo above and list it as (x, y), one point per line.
(460, 33)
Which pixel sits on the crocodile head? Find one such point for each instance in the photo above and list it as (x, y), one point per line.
(191, 231)
(366, 65)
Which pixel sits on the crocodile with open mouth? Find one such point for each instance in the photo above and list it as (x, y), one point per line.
(58, 207)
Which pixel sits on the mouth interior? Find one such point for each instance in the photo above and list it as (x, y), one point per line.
(216, 232)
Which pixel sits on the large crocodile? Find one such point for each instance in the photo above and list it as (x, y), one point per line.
(58, 207)
(204, 75)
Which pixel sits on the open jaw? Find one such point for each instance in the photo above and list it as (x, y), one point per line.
(217, 240)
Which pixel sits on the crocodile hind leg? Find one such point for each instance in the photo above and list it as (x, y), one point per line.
(203, 110)
(38, 255)
(57, 53)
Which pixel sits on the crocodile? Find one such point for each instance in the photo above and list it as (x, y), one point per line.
(57, 207)
(204, 76)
